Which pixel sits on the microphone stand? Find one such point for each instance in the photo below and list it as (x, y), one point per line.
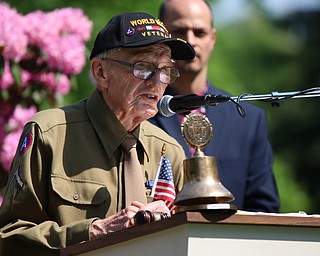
(274, 97)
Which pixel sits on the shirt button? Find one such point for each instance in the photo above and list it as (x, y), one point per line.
(75, 196)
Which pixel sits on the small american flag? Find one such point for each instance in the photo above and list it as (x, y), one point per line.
(163, 188)
(155, 28)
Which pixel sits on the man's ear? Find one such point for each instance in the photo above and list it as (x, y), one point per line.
(98, 72)
(213, 38)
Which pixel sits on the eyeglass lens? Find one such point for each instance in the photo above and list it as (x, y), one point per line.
(145, 70)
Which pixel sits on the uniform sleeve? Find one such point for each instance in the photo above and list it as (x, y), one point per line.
(261, 193)
(176, 161)
(24, 219)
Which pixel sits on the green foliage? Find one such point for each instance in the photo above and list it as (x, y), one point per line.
(254, 56)
(293, 195)
(16, 72)
(257, 55)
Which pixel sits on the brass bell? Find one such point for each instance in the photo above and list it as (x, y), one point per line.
(202, 183)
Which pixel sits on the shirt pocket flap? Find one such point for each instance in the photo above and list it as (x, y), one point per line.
(79, 191)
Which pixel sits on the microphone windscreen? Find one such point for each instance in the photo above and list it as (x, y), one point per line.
(163, 106)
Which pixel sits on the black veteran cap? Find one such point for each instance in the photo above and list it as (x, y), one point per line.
(135, 29)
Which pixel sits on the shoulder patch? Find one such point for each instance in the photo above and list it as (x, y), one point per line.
(26, 143)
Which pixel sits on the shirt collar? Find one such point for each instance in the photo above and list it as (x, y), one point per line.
(106, 124)
(109, 129)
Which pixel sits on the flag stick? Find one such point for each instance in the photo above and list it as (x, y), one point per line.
(163, 150)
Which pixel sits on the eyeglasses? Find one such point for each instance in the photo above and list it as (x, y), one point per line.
(145, 70)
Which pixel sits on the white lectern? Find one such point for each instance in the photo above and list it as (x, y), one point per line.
(211, 233)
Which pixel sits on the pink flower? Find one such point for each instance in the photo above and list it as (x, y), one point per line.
(40, 29)
(12, 36)
(8, 149)
(6, 80)
(67, 17)
(15, 125)
(56, 82)
(26, 78)
(1, 200)
(66, 54)
(20, 117)
(63, 84)
(47, 31)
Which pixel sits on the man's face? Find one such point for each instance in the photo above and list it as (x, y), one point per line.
(191, 21)
(131, 97)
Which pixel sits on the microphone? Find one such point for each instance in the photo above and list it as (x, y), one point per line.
(169, 105)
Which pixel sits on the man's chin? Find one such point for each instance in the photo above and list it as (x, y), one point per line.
(152, 113)
(188, 66)
(148, 113)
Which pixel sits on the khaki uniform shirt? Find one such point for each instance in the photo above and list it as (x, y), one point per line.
(68, 171)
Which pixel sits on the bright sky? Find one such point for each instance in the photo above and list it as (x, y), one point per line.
(229, 10)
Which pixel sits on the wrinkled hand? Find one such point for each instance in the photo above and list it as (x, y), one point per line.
(124, 219)
(156, 206)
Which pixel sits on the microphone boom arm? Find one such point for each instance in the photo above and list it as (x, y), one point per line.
(276, 96)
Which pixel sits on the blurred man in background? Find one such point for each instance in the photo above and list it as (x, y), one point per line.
(241, 146)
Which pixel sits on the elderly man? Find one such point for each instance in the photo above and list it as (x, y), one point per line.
(71, 180)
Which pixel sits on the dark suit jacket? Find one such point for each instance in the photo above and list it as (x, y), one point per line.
(242, 149)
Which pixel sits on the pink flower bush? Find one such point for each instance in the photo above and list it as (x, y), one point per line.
(39, 53)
